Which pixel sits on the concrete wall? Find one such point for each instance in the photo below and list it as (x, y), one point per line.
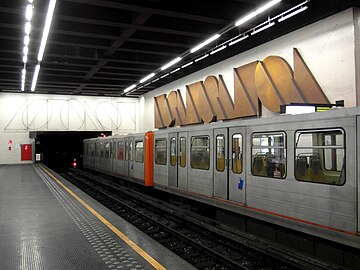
(23, 112)
(327, 46)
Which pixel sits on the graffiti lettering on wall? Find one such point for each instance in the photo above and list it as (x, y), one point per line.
(73, 114)
(271, 81)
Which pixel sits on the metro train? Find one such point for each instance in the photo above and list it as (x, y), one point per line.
(296, 171)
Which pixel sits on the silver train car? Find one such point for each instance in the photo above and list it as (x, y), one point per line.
(296, 171)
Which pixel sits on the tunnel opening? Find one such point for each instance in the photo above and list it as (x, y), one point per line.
(60, 149)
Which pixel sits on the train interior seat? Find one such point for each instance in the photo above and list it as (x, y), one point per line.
(301, 169)
(259, 166)
(315, 170)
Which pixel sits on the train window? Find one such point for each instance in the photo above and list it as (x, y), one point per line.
(173, 151)
(268, 154)
(160, 151)
(320, 156)
(200, 152)
(102, 150)
(127, 152)
(237, 153)
(121, 151)
(220, 153)
(131, 146)
(182, 150)
(139, 151)
(107, 150)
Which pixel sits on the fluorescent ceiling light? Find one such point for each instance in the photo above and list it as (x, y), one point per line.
(147, 77)
(173, 62)
(36, 75)
(283, 18)
(129, 88)
(45, 35)
(29, 12)
(202, 57)
(238, 40)
(262, 28)
(25, 58)
(163, 76)
(175, 70)
(156, 80)
(27, 28)
(26, 40)
(26, 50)
(206, 42)
(218, 49)
(188, 64)
(256, 12)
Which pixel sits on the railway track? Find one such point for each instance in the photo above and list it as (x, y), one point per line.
(202, 242)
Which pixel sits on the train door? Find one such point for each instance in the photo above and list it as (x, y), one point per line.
(127, 156)
(221, 186)
(237, 179)
(121, 156)
(131, 156)
(173, 168)
(183, 157)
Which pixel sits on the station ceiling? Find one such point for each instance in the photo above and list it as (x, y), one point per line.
(101, 47)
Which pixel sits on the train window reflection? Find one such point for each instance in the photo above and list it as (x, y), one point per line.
(320, 156)
(200, 152)
(182, 150)
(160, 151)
(220, 153)
(173, 151)
(106, 150)
(139, 151)
(121, 150)
(237, 153)
(127, 152)
(131, 146)
(268, 156)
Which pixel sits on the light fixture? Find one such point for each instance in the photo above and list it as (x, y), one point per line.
(147, 77)
(29, 12)
(283, 18)
(262, 28)
(206, 42)
(129, 88)
(238, 40)
(45, 35)
(26, 40)
(201, 58)
(256, 12)
(26, 50)
(25, 58)
(163, 76)
(188, 64)
(171, 63)
(175, 70)
(36, 75)
(218, 49)
(27, 28)
(155, 80)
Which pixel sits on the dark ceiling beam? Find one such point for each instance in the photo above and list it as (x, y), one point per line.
(135, 40)
(151, 52)
(140, 19)
(167, 13)
(132, 26)
(105, 60)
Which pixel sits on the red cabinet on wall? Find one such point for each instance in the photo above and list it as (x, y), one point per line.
(26, 152)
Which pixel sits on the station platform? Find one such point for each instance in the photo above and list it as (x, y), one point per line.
(48, 223)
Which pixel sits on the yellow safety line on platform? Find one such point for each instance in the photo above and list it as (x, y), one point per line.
(134, 246)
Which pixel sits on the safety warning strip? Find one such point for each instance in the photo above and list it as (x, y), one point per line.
(134, 246)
